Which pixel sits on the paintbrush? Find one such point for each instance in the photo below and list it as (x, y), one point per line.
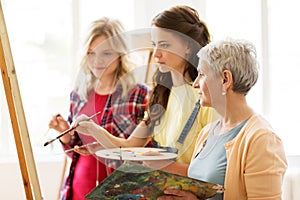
(81, 147)
(70, 129)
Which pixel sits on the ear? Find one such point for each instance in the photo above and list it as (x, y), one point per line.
(227, 79)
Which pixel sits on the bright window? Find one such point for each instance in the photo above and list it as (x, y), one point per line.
(271, 26)
(46, 40)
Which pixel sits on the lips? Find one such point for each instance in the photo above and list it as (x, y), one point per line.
(99, 68)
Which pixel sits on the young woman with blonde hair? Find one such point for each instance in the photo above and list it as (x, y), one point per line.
(104, 85)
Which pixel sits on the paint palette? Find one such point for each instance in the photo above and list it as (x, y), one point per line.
(136, 154)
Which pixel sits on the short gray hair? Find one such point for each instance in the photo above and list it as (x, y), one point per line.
(237, 56)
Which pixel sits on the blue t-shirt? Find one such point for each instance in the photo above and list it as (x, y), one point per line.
(210, 164)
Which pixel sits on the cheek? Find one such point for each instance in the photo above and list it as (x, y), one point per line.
(176, 62)
(112, 64)
(206, 92)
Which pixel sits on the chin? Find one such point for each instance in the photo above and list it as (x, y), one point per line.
(205, 104)
(163, 69)
(98, 74)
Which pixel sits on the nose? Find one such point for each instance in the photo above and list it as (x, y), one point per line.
(196, 82)
(156, 53)
(98, 60)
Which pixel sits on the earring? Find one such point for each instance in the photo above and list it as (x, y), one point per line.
(223, 92)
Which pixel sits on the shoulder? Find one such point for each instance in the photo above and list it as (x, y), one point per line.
(257, 125)
(258, 130)
(140, 89)
(75, 97)
(140, 86)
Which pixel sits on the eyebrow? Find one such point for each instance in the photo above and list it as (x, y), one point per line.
(162, 41)
(90, 49)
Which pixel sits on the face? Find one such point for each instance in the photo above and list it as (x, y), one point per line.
(209, 86)
(102, 59)
(169, 50)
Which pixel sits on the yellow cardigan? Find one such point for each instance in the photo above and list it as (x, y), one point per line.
(256, 162)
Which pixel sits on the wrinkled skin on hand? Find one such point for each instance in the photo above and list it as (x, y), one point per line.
(177, 195)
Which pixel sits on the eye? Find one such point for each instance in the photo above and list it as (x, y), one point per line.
(163, 45)
(90, 53)
(202, 75)
(107, 53)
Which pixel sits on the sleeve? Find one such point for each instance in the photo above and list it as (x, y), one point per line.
(75, 139)
(265, 167)
(130, 113)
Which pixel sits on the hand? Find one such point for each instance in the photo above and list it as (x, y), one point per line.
(58, 123)
(81, 150)
(177, 195)
(86, 126)
(88, 149)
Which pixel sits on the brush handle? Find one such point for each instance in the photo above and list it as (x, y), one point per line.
(81, 147)
(71, 129)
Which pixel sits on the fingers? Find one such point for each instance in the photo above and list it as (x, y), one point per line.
(178, 194)
(58, 123)
(80, 118)
(83, 127)
(168, 198)
(87, 127)
(81, 150)
(175, 195)
(53, 122)
(174, 192)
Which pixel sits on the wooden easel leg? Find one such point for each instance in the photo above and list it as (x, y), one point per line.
(23, 145)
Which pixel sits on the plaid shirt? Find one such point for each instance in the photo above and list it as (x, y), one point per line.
(120, 117)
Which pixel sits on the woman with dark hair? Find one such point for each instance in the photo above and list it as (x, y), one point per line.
(177, 35)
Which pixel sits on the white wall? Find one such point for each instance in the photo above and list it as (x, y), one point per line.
(146, 10)
(292, 179)
(11, 185)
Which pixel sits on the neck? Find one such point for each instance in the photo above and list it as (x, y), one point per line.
(178, 79)
(105, 85)
(236, 111)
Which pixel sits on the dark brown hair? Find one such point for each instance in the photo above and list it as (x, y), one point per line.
(185, 21)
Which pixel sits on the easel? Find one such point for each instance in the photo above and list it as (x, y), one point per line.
(19, 126)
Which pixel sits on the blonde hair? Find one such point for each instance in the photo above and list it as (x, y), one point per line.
(113, 30)
(237, 56)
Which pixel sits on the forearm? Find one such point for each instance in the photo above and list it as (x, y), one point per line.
(177, 168)
(110, 141)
